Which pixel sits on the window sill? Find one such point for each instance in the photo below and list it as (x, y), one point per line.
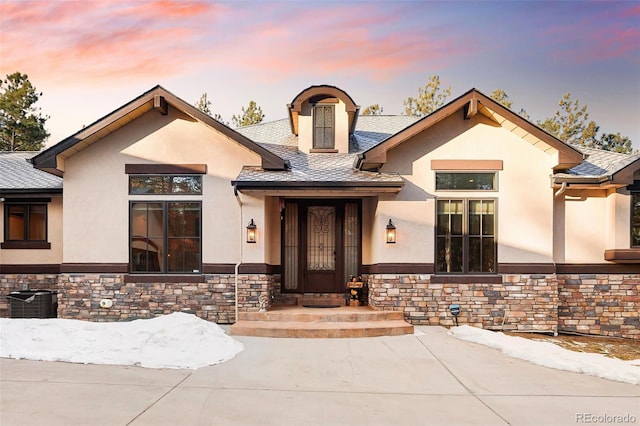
(25, 245)
(323, 151)
(164, 278)
(623, 255)
(466, 279)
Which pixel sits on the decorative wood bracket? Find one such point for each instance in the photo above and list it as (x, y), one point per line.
(160, 104)
(471, 109)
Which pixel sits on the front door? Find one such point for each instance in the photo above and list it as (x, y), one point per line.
(321, 245)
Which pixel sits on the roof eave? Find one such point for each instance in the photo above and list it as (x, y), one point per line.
(625, 174)
(315, 185)
(29, 192)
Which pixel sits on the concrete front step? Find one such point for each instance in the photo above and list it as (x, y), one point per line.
(296, 321)
(321, 329)
(300, 314)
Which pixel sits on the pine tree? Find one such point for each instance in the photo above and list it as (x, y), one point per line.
(251, 115)
(21, 123)
(430, 98)
(374, 109)
(204, 105)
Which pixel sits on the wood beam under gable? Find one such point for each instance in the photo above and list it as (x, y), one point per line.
(160, 104)
(471, 108)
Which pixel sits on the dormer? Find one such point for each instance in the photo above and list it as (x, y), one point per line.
(323, 117)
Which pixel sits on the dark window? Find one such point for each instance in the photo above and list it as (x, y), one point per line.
(635, 219)
(25, 222)
(166, 237)
(483, 181)
(323, 127)
(465, 236)
(165, 184)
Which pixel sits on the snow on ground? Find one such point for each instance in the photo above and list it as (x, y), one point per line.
(183, 340)
(178, 340)
(552, 356)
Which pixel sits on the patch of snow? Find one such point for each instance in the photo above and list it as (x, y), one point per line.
(178, 340)
(551, 355)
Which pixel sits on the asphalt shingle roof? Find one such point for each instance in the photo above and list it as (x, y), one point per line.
(276, 136)
(16, 173)
(601, 163)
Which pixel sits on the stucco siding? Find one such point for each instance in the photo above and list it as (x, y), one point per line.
(272, 230)
(618, 219)
(524, 195)
(96, 201)
(585, 228)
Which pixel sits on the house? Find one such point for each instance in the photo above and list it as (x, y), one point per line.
(165, 209)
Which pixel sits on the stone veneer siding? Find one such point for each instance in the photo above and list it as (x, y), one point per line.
(607, 305)
(79, 295)
(522, 302)
(601, 304)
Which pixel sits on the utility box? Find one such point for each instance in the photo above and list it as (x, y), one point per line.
(33, 304)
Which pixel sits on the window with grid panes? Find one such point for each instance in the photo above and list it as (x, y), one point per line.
(465, 236)
(323, 127)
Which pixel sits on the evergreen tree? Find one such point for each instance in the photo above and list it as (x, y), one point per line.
(500, 96)
(429, 98)
(204, 105)
(374, 109)
(21, 122)
(570, 123)
(251, 115)
(615, 143)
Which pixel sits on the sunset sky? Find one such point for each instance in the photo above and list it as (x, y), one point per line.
(90, 57)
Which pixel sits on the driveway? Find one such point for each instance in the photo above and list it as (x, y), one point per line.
(423, 379)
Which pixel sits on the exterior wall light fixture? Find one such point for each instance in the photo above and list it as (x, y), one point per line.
(251, 232)
(391, 233)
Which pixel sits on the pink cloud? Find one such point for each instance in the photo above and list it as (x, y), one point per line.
(601, 36)
(354, 40)
(632, 12)
(86, 41)
(127, 40)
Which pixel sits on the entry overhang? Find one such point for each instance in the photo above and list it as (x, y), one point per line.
(318, 189)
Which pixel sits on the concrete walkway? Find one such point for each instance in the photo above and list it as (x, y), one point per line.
(429, 379)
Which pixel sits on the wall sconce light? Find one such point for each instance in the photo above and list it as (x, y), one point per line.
(391, 233)
(251, 232)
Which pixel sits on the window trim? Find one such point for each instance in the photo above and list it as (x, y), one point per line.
(631, 224)
(466, 172)
(465, 237)
(333, 127)
(165, 237)
(169, 175)
(26, 243)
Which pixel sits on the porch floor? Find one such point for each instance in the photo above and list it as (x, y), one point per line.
(298, 321)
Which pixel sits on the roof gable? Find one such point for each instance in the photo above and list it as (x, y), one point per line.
(158, 98)
(470, 104)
